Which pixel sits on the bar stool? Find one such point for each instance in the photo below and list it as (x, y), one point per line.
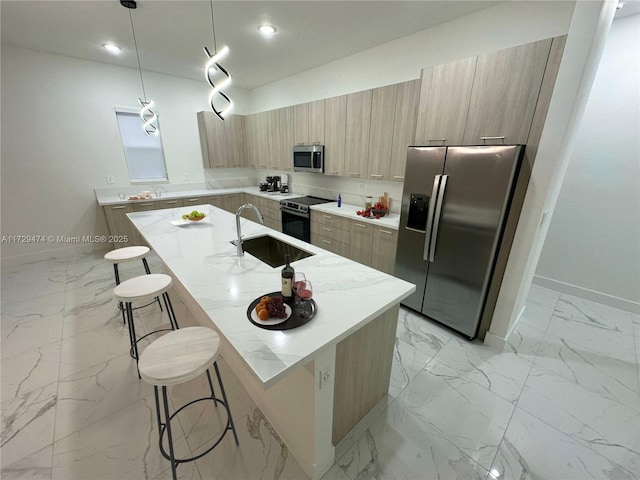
(141, 289)
(176, 358)
(129, 254)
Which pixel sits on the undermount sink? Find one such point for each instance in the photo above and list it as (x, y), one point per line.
(271, 251)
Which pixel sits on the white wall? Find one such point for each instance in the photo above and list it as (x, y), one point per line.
(593, 242)
(60, 139)
(503, 26)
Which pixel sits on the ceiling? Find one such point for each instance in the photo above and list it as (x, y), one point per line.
(171, 34)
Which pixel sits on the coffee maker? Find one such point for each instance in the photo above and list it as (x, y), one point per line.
(274, 184)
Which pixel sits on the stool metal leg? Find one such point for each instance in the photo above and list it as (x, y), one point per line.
(168, 427)
(117, 274)
(170, 312)
(146, 269)
(213, 393)
(132, 335)
(226, 402)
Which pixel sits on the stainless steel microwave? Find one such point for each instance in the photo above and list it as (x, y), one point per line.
(308, 158)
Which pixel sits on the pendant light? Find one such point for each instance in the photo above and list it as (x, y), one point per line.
(214, 71)
(148, 116)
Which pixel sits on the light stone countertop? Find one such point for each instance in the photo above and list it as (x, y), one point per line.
(349, 211)
(113, 199)
(199, 255)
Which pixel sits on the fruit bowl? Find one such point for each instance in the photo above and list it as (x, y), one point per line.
(195, 219)
(382, 213)
(194, 216)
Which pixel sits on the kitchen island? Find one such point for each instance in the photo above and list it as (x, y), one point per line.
(314, 383)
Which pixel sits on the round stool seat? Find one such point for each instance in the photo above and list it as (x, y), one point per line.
(179, 356)
(126, 254)
(143, 287)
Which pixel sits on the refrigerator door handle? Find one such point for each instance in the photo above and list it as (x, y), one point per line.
(436, 219)
(432, 209)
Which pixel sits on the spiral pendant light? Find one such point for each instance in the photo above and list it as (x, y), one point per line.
(217, 76)
(148, 116)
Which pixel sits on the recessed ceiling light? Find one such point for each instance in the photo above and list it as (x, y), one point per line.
(267, 29)
(112, 48)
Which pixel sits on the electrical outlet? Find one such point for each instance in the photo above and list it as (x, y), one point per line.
(324, 377)
(110, 180)
(186, 177)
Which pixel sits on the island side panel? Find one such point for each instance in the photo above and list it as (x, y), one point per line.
(363, 370)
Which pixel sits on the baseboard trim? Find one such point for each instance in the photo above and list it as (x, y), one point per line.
(64, 252)
(587, 294)
(499, 343)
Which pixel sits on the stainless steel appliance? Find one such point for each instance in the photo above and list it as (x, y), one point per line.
(296, 216)
(308, 158)
(454, 206)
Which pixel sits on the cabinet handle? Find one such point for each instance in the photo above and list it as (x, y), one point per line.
(332, 173)
(399, 177)
(146, 204)
(327, 229)
(484, 139)
(375, 175)
(171, 202)
(263, 166)
(193, 200)
(437, 140)
(353, 174)
(328, 216)
(316, 143)
(360, 225)
(385, 231)
(299, 143)
(326, 241)
(118, 208)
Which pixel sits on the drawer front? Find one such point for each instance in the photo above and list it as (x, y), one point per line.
(145, 206)
(194, 201)
(339, 248)
(176, 202)
(329, 232)
(330, 220)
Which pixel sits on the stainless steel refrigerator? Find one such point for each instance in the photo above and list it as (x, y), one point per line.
(454, 206)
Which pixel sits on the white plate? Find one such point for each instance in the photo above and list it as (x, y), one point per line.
(271, 321)
(182, 223)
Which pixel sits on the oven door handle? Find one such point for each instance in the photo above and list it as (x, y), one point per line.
(293, 212)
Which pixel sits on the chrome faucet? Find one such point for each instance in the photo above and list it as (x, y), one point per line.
(238, 242)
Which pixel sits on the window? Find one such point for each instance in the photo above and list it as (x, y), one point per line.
(143, 153)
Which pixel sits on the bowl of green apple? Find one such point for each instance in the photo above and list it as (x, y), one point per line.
(194, 216)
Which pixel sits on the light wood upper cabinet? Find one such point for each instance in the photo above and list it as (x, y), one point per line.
(213, 142)
(404, 129)
(280, 138)
(316, 122)
(505, 92)
(301, 124)
(444, 102)
(250, 141)
(356, 151)
(335, 135)
(383, 111)
(234, 129)
(261, 144)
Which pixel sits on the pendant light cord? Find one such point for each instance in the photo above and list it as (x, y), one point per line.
(135, 43)
(213, 26)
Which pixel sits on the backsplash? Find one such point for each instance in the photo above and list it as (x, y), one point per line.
(230, 177)
(353, 190)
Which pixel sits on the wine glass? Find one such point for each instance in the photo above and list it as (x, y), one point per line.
(298, 278)
(305, 290)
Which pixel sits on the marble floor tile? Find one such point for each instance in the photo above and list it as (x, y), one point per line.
(602, 341)
(525, 341)
(92, 315)
(594, 314)
(335, 473)
(185, 471)
(261, 454)
(97, 392)
(36, 466)
(501, 373)
(27, 286)
(543, 296)
(28, 423)
(93, 348)
(87, 291)
(38, 266)
(531, 449)
(401, 446)
(407, 362)
(468, 415)
(24, 333)
(421, 333)
(123, 445)
(594, 419)
(29, 370)
(536, 315)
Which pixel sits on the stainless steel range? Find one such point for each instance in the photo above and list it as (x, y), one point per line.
(296, 216)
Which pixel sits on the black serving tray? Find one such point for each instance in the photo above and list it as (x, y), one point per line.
(307, 308)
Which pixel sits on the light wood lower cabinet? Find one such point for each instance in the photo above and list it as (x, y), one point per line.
(120, 226)
(383, 255)
(361, 242)
(215, 200)
(173, 203)
(233, 202)
(270, 210)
